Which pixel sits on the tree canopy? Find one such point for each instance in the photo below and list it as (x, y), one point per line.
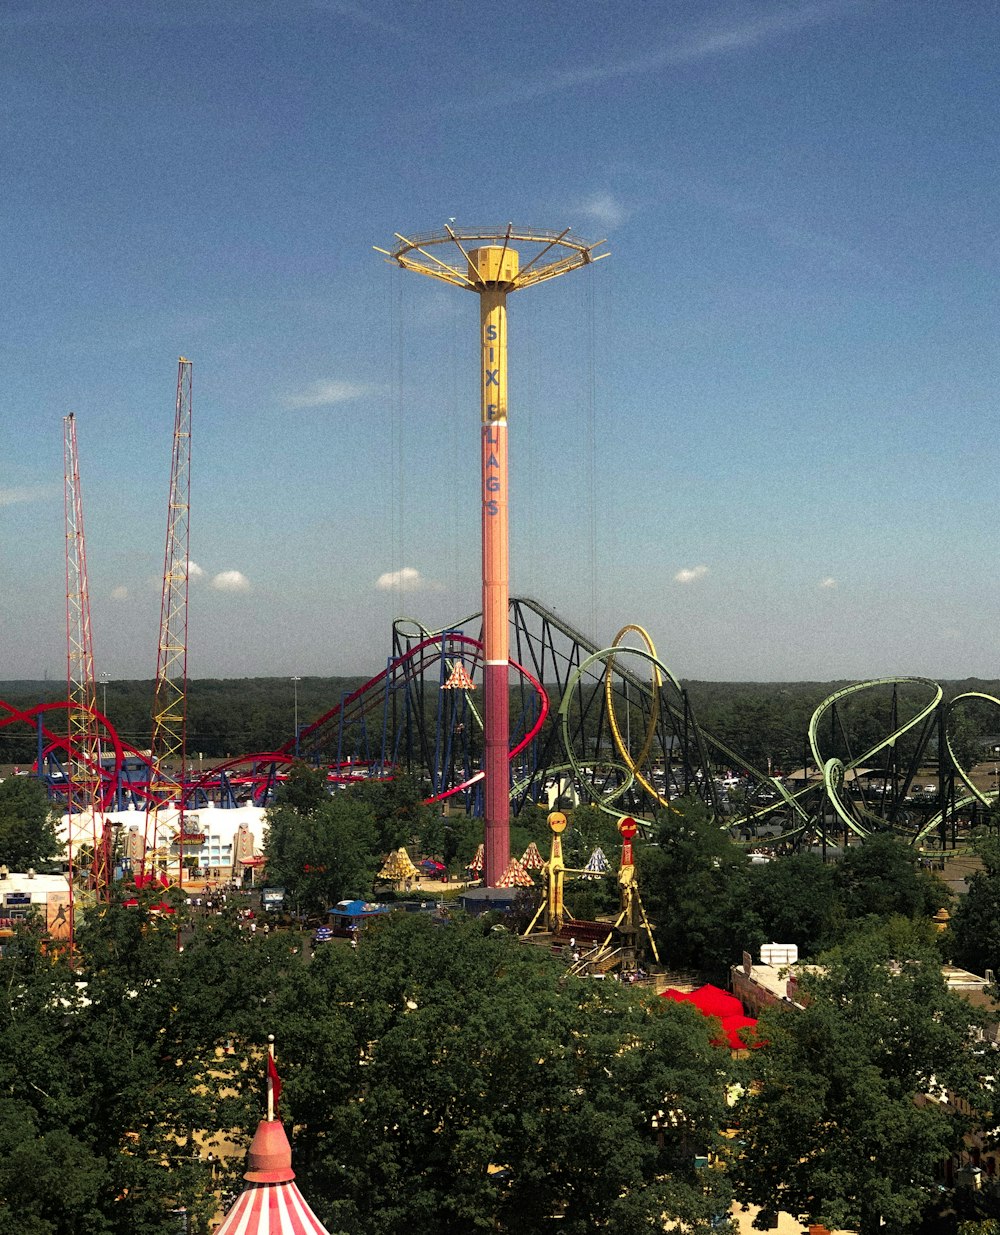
(443, 1079)
(975, 924)
(27, 829)
(834, 1127)
(114, 1072)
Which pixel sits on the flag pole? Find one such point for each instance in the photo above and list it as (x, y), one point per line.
(271, 1073)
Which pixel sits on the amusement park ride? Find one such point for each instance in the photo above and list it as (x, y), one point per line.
(612, 725)
(611, 945)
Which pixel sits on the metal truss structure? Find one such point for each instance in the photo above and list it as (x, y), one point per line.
(611, 727)
(169, 736)
(86, 845)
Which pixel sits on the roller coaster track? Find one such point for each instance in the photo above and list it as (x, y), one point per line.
(407, 720)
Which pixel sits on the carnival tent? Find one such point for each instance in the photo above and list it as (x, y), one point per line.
(477, 862)
(732, 1028)
(398, 867)
(531, 859)
(348, 916)
(515, 876)
(727, 1009)
(272, 1203)
(597, 865)
(714, 1001)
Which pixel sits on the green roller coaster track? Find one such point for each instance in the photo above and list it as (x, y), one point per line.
(808, 809)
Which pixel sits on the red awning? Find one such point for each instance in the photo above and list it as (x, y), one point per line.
(725, 1008)
(714, 1001)
(733, 1026)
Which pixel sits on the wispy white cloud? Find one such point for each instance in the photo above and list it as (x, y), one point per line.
(604, 209)
(27, 493)
(691, 574)
(358, 13)
(707, 43)
(828, 583)
(231, 581)
(195, 571)
(407, 578)
(328, 394)
(119, 593)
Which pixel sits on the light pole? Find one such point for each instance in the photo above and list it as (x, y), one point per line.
(295, 689)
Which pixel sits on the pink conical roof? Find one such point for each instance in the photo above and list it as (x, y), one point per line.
(271, 1209)
(270, 1157)
(272, 1204)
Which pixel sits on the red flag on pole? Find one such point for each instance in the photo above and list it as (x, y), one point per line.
(273, 1084)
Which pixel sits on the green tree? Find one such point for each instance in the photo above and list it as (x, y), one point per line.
(881, 877)
(27, 831)
(445, 1080)
(399, 814)
(975, 925)
(696, 888)
(113, 1071)
(324, 855)
(304, 789)
(796, 901)
(834, 1128)
(965, 735)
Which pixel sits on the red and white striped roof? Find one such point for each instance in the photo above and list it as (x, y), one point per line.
(270, 1209)
(272, 1204)
(515, 876)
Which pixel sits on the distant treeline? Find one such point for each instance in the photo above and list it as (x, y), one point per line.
(226, 716)
(766, 722)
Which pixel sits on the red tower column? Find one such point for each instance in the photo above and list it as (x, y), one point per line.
(496, 560)
(492, 271)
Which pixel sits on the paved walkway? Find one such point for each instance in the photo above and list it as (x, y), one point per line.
(786, 1224)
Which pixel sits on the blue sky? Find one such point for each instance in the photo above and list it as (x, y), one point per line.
(765, 428)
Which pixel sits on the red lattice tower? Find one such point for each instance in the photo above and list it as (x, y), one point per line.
(86, 841)
(169, 737)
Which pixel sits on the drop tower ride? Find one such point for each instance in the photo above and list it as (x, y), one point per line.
(484, 261)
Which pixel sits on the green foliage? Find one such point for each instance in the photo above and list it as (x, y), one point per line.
(324, 856)
(108, 1069)
(441, 1080)
(27, 831)
(399, 813)
(696, 889)
(831, 1130)
(882, 877)
(796, 900)
(974, 934)
(965, 731)
(304, 789)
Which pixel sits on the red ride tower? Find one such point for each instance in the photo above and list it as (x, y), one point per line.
(485, 262)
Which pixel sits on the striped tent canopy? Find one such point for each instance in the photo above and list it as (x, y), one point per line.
(398, 866)
(531, 859)
(597, 865)
(515, 876)
(271, 1204)
(459, 679)
(477, 862)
